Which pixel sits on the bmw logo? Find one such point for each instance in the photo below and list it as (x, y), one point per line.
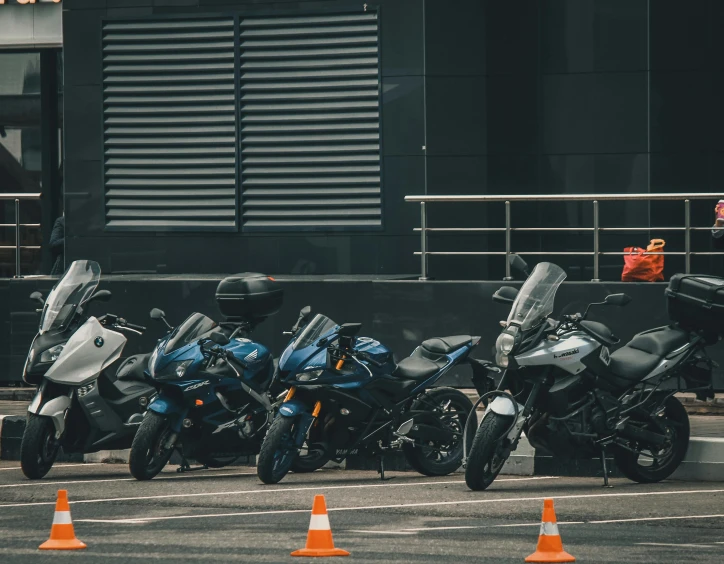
(98, 342)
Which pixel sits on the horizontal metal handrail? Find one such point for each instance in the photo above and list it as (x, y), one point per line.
(595, 229)
(17, 198)
(565, 197)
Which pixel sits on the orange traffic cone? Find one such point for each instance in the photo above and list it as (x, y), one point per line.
(550, 547)
(62, 534)
(319, 538)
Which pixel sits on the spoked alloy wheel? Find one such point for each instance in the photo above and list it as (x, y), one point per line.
(39, 447)
(657, 463)
(437, 458)
(486, 458)
(149, 454)
(277, 451)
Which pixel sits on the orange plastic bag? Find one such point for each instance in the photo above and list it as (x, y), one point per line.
(638, 266)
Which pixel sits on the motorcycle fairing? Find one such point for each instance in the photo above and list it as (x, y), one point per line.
(567, 353)
(91, 349)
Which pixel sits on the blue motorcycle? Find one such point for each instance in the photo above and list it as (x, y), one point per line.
(347, 396)
(215, 384)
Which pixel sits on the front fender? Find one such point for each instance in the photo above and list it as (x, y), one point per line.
(292, 408)
(171, 408)
(503, 406)
(55, 409)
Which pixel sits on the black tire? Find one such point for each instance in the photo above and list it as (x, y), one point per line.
(148, 457)
(39, 448)
(644, 471)
(277, 451)
(442, 459)
(484, 460)
(315, 451)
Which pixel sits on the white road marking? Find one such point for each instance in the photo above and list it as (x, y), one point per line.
(717, 516)
(61, 465)
(424, 504)
(455, 527)
(267, 490)
(671, 544)
(380, 532)
(102, 480)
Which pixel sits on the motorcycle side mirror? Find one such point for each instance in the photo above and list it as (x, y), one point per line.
(505, 295)
(519, 264)
(38, 297)
(304, 315)
(157, 313)
(617, 299)
(347, 333)
(219, 338)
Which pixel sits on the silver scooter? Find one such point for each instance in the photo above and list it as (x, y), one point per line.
(88, 400)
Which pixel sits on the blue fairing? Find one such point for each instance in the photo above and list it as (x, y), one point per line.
(166, 406)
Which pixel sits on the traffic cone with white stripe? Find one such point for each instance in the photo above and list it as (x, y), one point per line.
(62, 534)
(319, 537)
(550, 547)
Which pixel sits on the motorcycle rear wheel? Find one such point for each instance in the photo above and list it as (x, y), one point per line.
(38, 448)
(484, 459)
(277, 452)
(148, 457)
(442, 459)
(643, 470)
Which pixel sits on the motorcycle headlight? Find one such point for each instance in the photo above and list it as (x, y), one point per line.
(51, 355)
(504, 345)
(174, 370)
(309, 376)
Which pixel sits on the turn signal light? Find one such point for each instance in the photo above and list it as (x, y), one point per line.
(199, 402)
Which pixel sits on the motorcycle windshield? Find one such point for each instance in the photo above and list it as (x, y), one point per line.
(77, 285)
(315, 330)
(195, 327)
(535, 299)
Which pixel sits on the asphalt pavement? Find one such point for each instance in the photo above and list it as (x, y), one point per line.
(227, 515)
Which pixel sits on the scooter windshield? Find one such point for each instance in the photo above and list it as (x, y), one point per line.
(535, 299)
(196, 326)
(315, 329)
(77, 285)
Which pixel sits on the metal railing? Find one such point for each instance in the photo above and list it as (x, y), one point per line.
(18, 225)
(596, 229)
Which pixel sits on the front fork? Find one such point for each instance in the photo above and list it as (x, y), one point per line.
(306, 420)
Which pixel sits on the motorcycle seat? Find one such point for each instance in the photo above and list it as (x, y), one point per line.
(446, 345)
(417, 366)
(641, 355)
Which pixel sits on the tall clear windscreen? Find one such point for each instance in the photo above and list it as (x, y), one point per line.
(77, 285)
(536, 298)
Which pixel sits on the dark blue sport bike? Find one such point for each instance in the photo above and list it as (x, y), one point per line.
(215, 384)
(347, 396)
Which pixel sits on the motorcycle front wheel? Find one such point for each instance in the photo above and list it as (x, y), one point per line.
(148, 453)
(485, 459)
(38, 448)
(278, 452)
(658, 463)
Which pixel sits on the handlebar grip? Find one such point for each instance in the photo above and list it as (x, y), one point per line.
(136, 327)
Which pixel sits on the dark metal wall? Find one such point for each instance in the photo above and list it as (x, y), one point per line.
(400, 314)
(477, 97)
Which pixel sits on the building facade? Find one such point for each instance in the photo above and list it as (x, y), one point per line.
(208, 136)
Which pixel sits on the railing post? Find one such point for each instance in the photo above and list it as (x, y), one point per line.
(687, 236)
(17, 238)
(596, 249)
(423, 242)
(507, 242)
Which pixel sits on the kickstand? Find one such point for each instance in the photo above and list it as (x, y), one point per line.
(184, 466)
(381, 468)
(605, 469)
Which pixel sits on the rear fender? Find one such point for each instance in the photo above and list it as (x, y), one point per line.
(170, 408)
(55, 409)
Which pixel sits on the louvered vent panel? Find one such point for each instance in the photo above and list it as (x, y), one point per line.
(310, 122)
(170, 126)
